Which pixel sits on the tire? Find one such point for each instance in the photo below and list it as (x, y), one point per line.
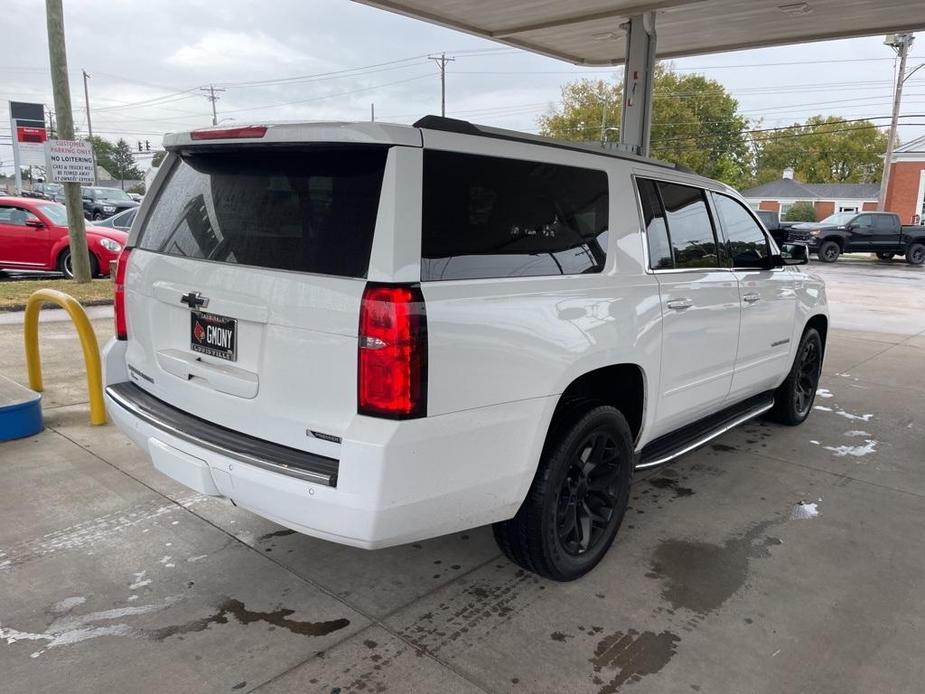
(563, 529)
(97, 216)
(793, 400)
(915, 254)
(886, 257)
(66, 269)
(829, 251)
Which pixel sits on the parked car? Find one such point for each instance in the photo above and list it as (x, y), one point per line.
(34, 236)
(136, 197)
(779, 230)
(100, 203)
(50, 191)
(850, 232)
(122, 221)
(378, 334)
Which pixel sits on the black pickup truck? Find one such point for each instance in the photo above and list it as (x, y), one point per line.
(779, 230)
(852, 232)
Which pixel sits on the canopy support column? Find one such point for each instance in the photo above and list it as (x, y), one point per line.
(638, 76)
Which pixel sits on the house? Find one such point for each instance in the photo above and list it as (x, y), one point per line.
(827, 198)
(905, 193)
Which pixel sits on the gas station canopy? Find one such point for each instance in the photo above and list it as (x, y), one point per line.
(589, 32)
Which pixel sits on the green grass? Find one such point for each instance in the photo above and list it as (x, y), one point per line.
(14, 293)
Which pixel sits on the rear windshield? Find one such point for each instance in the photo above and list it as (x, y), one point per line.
(307, 210)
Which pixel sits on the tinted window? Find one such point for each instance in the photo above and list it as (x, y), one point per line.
(308, 210)
(862, 220)
(493, 217)
(884, 222)
(689, 226)
(656, 230)
(748, 246)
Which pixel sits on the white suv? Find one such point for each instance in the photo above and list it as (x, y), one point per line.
(375, 334)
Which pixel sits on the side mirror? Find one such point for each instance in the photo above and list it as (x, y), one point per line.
(37, 223)
(794, 254)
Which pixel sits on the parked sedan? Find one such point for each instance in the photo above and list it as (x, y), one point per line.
(34, 236)
(122, 221)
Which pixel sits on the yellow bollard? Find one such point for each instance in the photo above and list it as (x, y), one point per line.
(88, 342)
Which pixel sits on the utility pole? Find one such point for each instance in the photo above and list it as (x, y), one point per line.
(57, 54)
(211, 97)
(441, 61)
(372, 113)
(901, 43)
(89, 124)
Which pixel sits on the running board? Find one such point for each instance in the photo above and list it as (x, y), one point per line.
(670, 446)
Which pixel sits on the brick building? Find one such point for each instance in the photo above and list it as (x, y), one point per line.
(906, 192)
(827, 198)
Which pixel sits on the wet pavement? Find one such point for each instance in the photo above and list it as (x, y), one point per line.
(773, 560)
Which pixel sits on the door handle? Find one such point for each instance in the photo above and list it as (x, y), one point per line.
(751, 298)
(680, 304)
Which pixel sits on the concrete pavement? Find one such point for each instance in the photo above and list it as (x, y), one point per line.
(775, 560)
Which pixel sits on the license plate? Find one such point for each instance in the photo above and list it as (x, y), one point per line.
(214, 335)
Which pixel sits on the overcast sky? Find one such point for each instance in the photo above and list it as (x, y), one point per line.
(148, 59)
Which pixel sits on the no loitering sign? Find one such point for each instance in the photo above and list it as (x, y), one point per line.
(69, 161)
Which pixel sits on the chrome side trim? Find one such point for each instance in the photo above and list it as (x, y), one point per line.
(276, 458)
(707, 438)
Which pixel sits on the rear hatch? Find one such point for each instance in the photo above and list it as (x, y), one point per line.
(245, 282)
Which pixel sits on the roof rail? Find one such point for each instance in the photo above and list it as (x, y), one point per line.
(464, 127)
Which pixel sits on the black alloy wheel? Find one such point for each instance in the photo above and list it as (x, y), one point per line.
(793, 400)
(829, 252)
(588, 495)
(810, 365)
(915, 255)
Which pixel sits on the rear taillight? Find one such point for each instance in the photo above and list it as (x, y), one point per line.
(119, 295)
(392, 371)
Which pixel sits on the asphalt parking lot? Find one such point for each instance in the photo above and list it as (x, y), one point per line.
(774, 560)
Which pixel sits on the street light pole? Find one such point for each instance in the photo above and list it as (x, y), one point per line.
(57, 53)
(901, 43)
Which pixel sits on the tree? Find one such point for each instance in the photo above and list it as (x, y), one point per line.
(102, 150)
(695, 122)
(158, 158)
(801, 212)
(822, 150)
(124, 163)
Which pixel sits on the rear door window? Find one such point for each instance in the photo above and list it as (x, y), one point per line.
(303, 209)
(689, 226)
(488, 217)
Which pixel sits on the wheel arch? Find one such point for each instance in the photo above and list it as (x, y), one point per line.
(622, 386)
(821, 323)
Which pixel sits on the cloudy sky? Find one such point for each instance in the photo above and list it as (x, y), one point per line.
(330, 59)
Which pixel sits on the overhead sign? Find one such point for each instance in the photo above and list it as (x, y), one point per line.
(70, 161)
(27, 123)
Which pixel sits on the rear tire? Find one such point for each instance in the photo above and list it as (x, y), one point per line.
(886, 257)
(829, 251)
(793, 400)
(915, 254)
(577, 501)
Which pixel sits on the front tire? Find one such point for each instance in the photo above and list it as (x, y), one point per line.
(577, 501)
(97, 216)
(915, 254)
(66, 265)
(829, 251)
(793, 400)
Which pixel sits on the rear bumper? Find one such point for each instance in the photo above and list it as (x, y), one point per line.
(396, 481)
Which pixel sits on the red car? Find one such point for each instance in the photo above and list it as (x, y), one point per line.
(33, 236)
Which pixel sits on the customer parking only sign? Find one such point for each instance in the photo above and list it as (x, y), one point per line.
(69, 161)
